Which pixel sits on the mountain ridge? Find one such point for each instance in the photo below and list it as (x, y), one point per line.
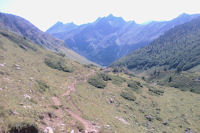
(26, 29)
(182, 36)
(173, 59)
(42, 91)
(114, 37)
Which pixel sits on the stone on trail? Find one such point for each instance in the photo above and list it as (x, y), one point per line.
(48, 130)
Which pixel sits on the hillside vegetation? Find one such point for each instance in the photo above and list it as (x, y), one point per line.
(31, 78)
(35, 93)
(24, 28)
(165, 58)
(177, 49)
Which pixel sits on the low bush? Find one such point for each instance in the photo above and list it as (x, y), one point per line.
(58, 63)
(61, 54)
(117, 80)
(23, 128)
(134, 84)
(105, 77)
(89, 66)
(128, 95)
(42, 85)
(80, 126)
(156, 91)
(97, 82)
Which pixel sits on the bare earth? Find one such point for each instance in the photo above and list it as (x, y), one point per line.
(76, 114)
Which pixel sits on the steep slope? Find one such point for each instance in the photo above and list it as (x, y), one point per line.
(32, 82)
(41, 90)
(109, 38)
(178, 49)
(25, 28)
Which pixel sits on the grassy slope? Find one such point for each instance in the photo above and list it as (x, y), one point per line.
(175, 51)
(19, 76)
(178, 48)
(25, 28)
(23, 68)
(179, 109)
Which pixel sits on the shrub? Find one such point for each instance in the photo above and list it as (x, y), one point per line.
(23, 128)
(61, 54)
(105, 77)
(128, 95)
(117, 80)
(170, 79)
(143, 78)
(97, 81)
(117, 70)
(58, 63)
(89, 66)
(134, 84)
(156, 91)
(80, 126)
(42, 85)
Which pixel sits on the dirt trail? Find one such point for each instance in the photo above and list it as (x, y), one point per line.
(55, 119)
(76, 114)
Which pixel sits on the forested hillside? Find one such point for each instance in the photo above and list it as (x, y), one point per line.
(178, 48)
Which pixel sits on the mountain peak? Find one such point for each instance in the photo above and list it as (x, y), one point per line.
(111, 16)
(58, 23)
(183, 15)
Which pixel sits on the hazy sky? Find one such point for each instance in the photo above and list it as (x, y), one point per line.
(45, 13)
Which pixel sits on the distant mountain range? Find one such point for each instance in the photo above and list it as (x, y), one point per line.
(173, 59)
(178, 48)
(109, 38)
(24, 28)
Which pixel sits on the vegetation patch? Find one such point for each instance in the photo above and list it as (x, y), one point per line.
(134, 85)
(25, 45)
(156, 91)
(105, 77)
(89, 65)
(128, 95)
(97, 82)
(117, 80)
(186, 82)
(42, 85)
(58, 63)
(23, 128)
(80, 126)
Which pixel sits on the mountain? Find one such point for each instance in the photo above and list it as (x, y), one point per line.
(60, 27)
(41, 91)
(178, 49)
(29, 31)
(109, 38)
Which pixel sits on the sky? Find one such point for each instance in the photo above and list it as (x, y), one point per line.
(45, 13)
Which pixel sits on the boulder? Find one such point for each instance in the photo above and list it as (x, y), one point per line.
(48, 130)
(149, 117)
(26, 96)
(111, 100)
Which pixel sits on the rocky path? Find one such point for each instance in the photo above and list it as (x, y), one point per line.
(74, 112)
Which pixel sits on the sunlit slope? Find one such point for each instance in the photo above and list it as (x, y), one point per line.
(26, 29)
